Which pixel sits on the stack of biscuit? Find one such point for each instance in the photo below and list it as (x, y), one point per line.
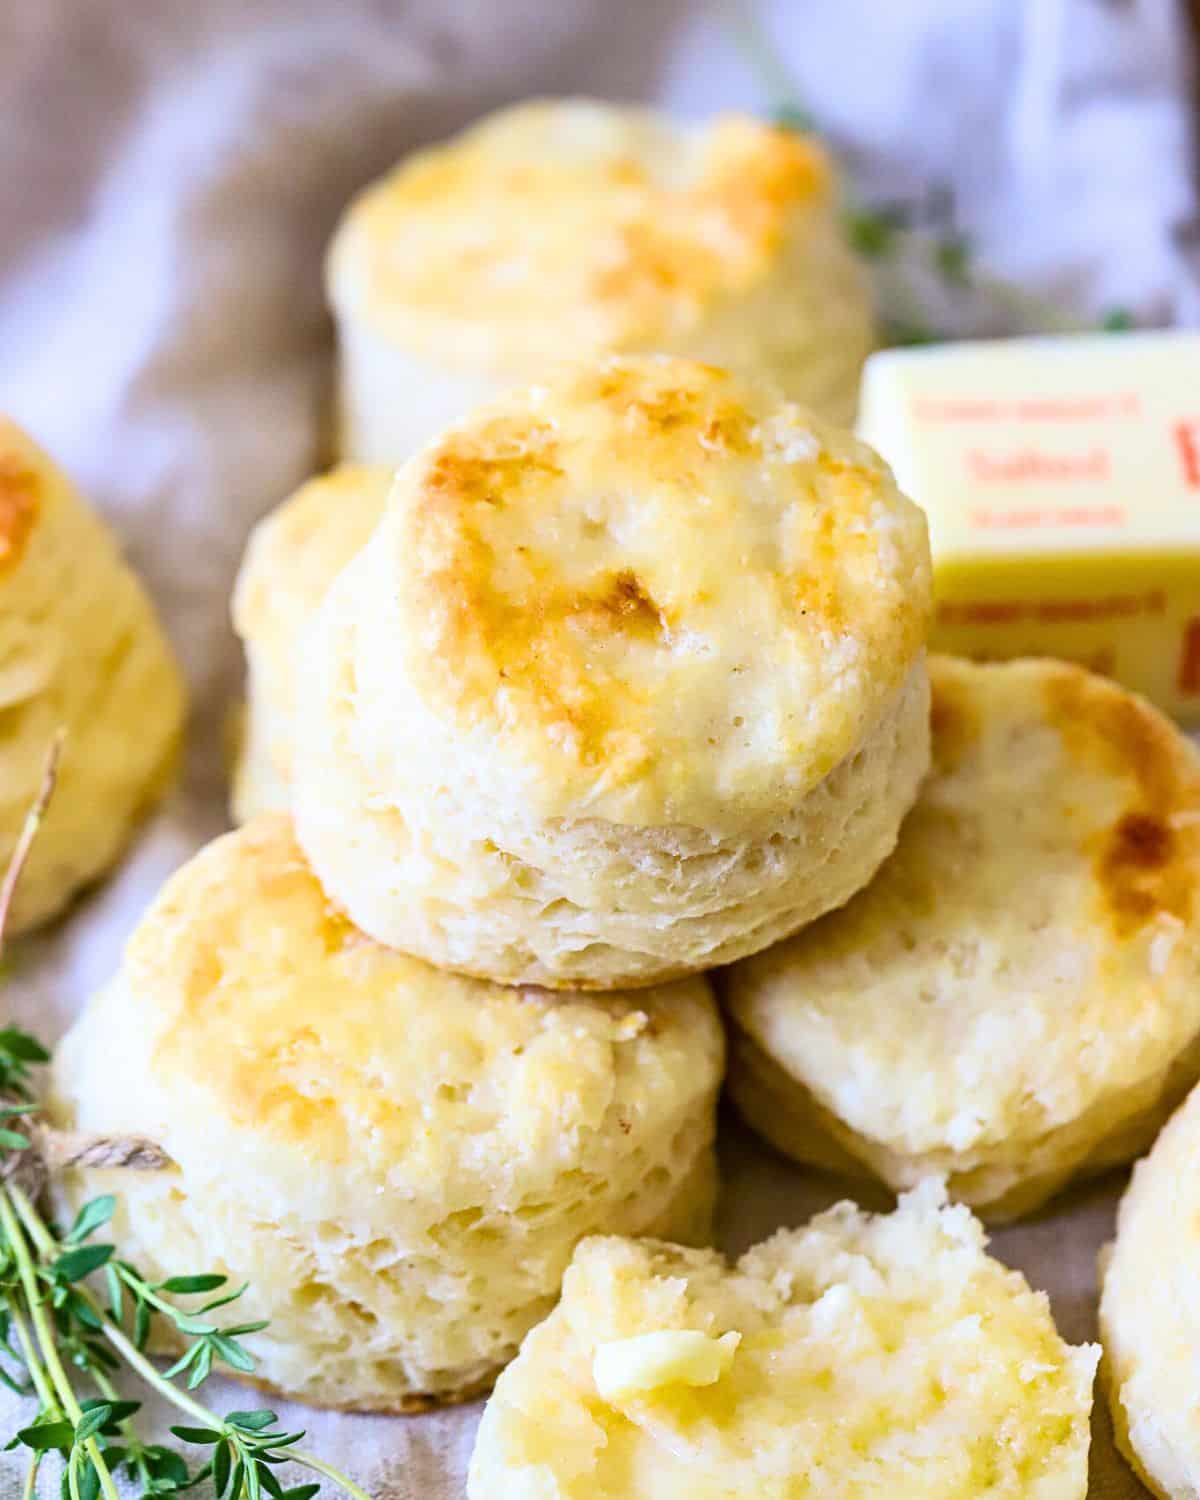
(619, 679)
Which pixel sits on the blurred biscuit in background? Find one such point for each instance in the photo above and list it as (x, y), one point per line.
(569, 229)
(1016, 997)
(399, 1162)
(629, 681)
(859, 1355)
(81, 651)
(292, 557)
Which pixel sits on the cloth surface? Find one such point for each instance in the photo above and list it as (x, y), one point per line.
(169, 176)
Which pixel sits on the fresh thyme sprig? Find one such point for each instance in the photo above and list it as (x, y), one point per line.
(52, 1321)
(29, 829)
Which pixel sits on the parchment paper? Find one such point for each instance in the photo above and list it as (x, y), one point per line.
(169, 175)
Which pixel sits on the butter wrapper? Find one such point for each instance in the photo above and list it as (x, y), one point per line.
(1061, 477)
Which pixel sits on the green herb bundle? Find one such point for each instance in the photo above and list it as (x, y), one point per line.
(63, 1339)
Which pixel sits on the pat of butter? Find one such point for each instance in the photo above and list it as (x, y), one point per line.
(672, 1356)
(1061, 478)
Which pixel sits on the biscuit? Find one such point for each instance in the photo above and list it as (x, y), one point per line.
(858, 1356)
(399, 1161)
(1150, 1315)
(80, 651)
(1016, 997)
(587, 228)
(629, 681)
(292, 557)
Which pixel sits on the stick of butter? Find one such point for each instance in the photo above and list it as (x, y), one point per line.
(1061, 478)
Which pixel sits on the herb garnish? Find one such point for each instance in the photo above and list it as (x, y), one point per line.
(58, 1338)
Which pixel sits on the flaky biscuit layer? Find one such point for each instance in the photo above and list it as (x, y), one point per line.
(628, 681)
(400, 1161)
(1016, 996)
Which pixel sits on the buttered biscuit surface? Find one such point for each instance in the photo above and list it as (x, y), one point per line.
(858, 1356)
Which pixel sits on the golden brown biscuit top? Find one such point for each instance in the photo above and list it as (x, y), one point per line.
(1139, 831)
(1031, 949)
(23, 479)
(571, 224)
(251, 1002)
(1147, 863)
(661, 591)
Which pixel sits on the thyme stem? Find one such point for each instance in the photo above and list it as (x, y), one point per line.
(46, 1341)
(319, 1466)
(31, 1474)
(134, 1357)
(44, 1285)
(33, 1364)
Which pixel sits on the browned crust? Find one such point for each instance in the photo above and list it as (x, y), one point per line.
(20, 502)
(1148, 863)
